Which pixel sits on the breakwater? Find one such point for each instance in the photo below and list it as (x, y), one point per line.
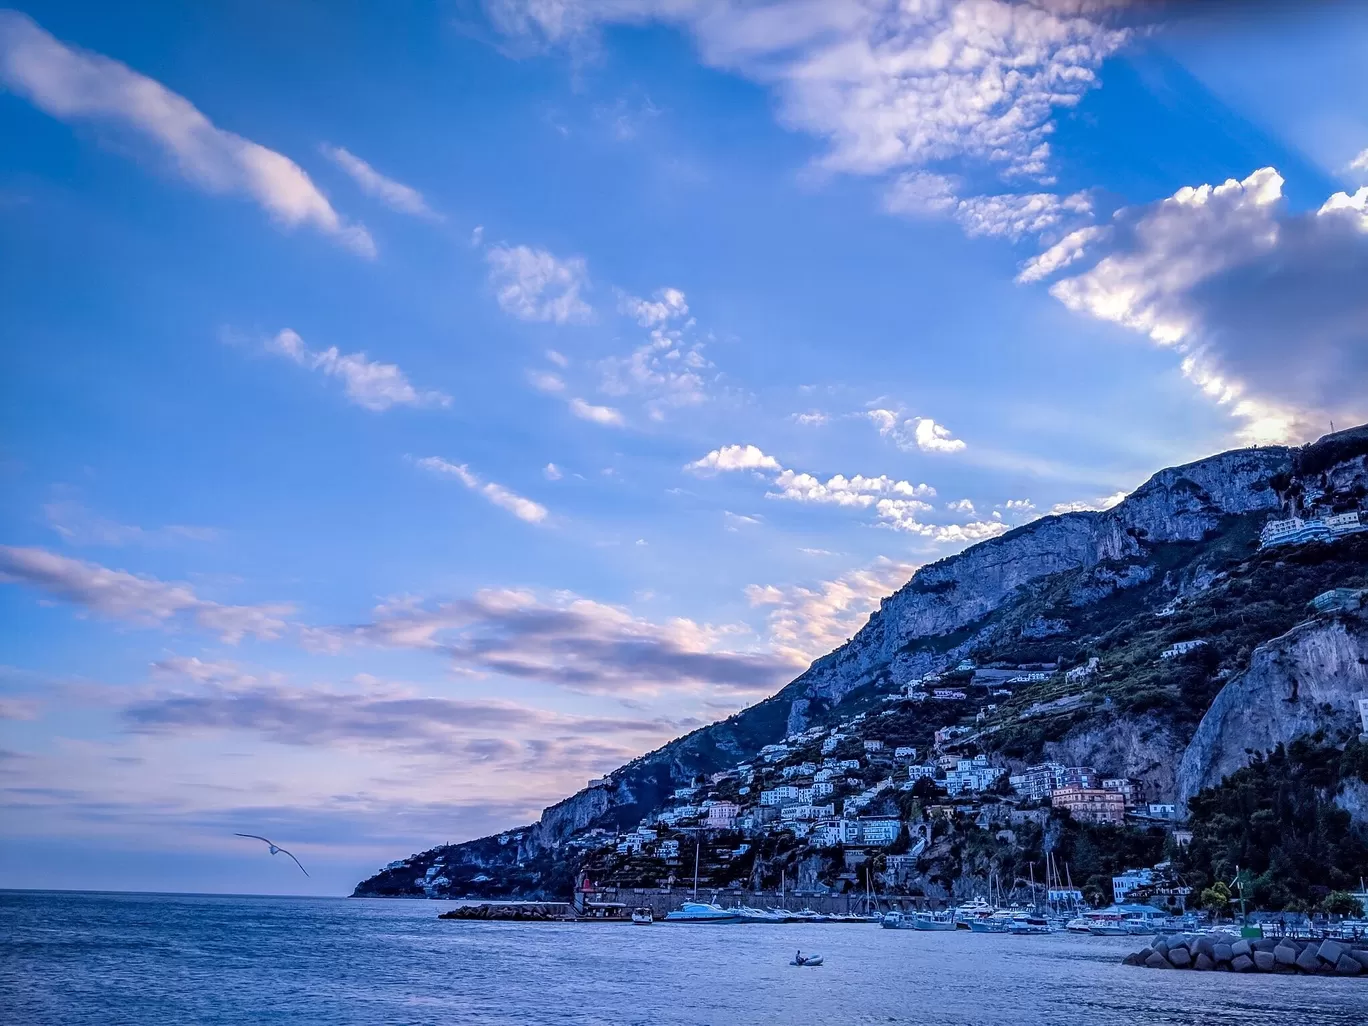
(1223, 952)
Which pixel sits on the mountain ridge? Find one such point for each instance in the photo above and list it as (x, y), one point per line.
(1046, 589)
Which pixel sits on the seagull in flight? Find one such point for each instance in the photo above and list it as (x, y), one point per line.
(275, 849)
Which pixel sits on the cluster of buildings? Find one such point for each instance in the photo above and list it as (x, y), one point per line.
(1295, 530)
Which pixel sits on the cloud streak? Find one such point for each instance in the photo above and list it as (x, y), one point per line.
(396, 195)
(73, 85)
(368, 383)
(119, 595)
(570, 641)
(496, 494)
(534, 285)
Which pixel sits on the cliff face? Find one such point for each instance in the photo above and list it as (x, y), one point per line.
(1307, 680)
(1181, 504)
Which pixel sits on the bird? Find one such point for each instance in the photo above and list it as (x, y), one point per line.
(275, 849)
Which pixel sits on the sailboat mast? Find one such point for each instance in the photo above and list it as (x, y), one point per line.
(698, 847)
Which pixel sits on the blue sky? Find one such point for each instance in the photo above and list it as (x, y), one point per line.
(413, 413)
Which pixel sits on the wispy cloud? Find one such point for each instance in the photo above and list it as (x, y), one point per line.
(119, 595)
(570, 641)
(605, 415)
(368, 383)
(74, 84)
(534, 285)
(808, 621)
(80, 526)
(497, 494)
(665, 305)
(396, 195)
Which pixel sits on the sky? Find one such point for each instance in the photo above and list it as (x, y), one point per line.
(412, 411)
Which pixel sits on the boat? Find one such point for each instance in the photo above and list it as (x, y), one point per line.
(809, 960)
(643, 916)
(930, 921)
(703, 912)
(989, 924)
(897, 921)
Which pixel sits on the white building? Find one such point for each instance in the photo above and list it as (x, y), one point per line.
(773, 753)
(1363, 715)
(1346, 523)
(829, 745)
(1295, 529)
(831, 832)
(668, 849)
(822, 789)
(1130, 880)
(972, 776)
(780, 795)
(905, 752)
(848, 764)
(685, 792)
(949, 695)
(879, 831)
(1034, 677)
(1081, 673)
(1161, 811)
(722, 815)
(1181, 648)
(806, 812)
(823, 775)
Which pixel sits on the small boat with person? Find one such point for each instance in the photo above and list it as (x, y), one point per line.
(809, 960)
(643, 916)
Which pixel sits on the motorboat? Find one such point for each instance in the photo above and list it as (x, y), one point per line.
(931, 921)
(703, 912)
(809, 960)
(988, 924)
(1029, 923)
(897, 921)
(643, 916)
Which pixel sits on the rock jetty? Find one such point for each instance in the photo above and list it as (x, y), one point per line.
(1225, 953)
(517, 912)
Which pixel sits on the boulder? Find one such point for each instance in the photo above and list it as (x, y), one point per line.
(1180, 957)
(1222, 952)
(1134, 958)
(1347, 966)
(1241, 947)
(1263, 960)
(1201, 946)
(1242, 963)
(1330, 951)
(1265, 944)
(1161, 944)
(1157, 961)
(1205, 962)
(1285, 954)
(1308, 961)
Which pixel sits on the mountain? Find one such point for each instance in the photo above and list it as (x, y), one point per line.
(1105, 593)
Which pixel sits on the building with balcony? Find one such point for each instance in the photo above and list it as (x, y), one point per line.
(1090, 804)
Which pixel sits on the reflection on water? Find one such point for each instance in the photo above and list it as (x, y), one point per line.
(78, 959)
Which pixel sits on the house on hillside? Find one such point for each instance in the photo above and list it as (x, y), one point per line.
(1181, 648)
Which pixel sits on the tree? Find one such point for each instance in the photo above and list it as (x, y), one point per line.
(1216, 898)
(1342, 903)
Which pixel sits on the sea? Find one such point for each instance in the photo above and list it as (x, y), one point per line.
(71, 959)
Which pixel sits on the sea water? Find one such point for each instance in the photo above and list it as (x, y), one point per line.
(70, 959)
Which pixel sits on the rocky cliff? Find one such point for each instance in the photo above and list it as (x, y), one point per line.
(1309, 679)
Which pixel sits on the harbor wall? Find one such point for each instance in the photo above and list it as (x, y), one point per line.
(661, 900)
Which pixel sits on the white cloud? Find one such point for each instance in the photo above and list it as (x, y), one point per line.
(733, 457)
(1360, 163)
(968, 534)
(119, 595)
(666, 371)
(1266, 307)
(605, 415)
(808, 621)
(736, 521)
(840, 490)
(1009, 215)
(816, 418)
(1066, 251)
(559, 359)
(497, 494)
(1106, 502)
(664, 305)
(544, 381)
(533, 285)
(552, 472)
(887, 84)
(368, 383)
(395, 195)
(72, 84)
(915, 432)
(961, 506)
(477, 237)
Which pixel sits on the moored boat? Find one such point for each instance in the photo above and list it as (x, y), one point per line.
(930, 921)
(703, 912)
(643, 916)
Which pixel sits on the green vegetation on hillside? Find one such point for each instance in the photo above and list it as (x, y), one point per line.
(1275, 822)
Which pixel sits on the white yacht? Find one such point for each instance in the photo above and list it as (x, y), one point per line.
(703, 912)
